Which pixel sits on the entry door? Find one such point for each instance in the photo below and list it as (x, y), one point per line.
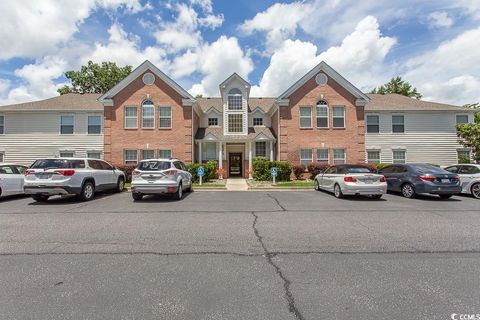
(235, 164)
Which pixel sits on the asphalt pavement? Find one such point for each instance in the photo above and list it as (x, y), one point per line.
(240, 255)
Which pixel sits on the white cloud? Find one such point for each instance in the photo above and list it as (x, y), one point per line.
(359, 58)
(211, 21)
(440, 19)
(449, 73)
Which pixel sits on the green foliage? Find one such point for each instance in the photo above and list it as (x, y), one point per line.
(380, 166)
(315, 168)
(475, 106)
(261, 169)
(210, 170)
(399, 86)
(469, 135)
(95, 78)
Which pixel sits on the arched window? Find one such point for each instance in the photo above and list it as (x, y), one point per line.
(148, 114)
(235, 99)
(322, 114)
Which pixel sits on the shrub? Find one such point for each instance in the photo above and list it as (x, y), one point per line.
(127, 169)
(380, 166)
(298, 171)
(210, 168)
(284, 170)
(315, 168)
(262, 169)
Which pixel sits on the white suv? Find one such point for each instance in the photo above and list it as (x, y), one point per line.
(65, 176)
(158, 176)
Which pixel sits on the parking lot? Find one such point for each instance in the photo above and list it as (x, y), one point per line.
(240, 255)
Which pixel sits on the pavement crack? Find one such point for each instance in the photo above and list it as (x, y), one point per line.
(276, 200)
(286, 283)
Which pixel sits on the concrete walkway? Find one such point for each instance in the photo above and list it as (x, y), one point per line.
(237, 184)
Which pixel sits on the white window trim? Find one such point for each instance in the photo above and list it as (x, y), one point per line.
(258, 125)
(400, 149)
(328, 155)
(242, 107)
(266, 148)
(366, 123)
(344, 117)
(404, 124)
(464, 150)
(374, 150)
(153, 117)
(344, 155)
(328, 118)
(101, 124)
(95, 151)
(66, 151)
(130, 117)
(60, 124)
(213, 125)
(125, 156)
(311, 158)
(300, 117)
(158, 152)
(171, 117)
(228, 123)
(461, 114)
(141, 154)
(4, 126)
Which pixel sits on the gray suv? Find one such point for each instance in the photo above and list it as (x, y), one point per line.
(71, 176)
(159, 176)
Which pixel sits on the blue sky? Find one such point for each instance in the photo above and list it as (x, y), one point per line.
(432, 44)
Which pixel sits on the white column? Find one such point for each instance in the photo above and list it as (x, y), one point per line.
(271, 150)
(250, 160)
(200, 152)
(220, 158)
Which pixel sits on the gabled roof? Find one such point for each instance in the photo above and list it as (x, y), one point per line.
(397, 102)
(263, 133)
(329, 71)
(66, 102)
(207, 103)
(235, 76)
(146, 65)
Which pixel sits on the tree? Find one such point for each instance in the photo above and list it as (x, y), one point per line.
(469, 133)
(94, 78)
(397, 85)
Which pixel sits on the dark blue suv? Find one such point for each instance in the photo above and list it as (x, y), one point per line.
(413, 179)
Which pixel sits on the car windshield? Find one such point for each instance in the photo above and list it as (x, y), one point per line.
(358, 170)
(429, 169)
(154, 165)
(58, 164)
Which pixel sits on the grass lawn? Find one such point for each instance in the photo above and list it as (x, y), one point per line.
(127, 185)
(289, 184)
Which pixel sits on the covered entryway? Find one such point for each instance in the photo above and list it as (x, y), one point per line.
(235, 164)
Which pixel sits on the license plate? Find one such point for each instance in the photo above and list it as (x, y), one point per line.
(369, 181)
(44, 176)
(445, 180)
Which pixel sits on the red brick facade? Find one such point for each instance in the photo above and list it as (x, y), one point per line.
(178, 139)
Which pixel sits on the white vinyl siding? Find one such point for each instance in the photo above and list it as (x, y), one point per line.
(130, 156)
(131, 118)
(2, 157)
(322, 155)
(338, 117)
(94, 124)
(305, 115)
(339, 156)
(2, 124)
(165, 117)
(148, 115)
(67, 124)
(373, 156)
(322, 114)
(306, 156)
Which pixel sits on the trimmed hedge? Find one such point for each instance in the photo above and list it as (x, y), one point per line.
(210, 170)
(315, 168)
(298, 171)
(261, 169)
(127, 169)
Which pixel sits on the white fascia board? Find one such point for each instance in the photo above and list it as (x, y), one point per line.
(187, 102)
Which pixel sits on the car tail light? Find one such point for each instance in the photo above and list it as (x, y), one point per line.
(427, 178)
(383, 179)
(135, 173)
(171, 172)
(65, 172)
(349, 179)
(28, 171)
(172, 189)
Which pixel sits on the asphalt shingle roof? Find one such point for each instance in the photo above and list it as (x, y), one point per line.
(69, 101)
(397, 102)
(253, 132)
(265, 104)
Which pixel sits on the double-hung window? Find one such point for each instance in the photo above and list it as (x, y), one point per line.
(148, 115)
(131, 118)
(212, 122)
(164, 117)
(322, 155)
(235, 123)
(148, 154)
(305, 117)
(399, 156)
(2, 124)
(260, 149)
(373, 156)
(398, 124)
(130, 156)
(210, 151)
(66, 154)
(258, 121)
(461, 118)
(94, 124)
(339, 156)
(66, 124)
(322, 114)
(373, 124)
(164, 154)
(338, 117)
(235, 99)
(305, 156)
(94, 154)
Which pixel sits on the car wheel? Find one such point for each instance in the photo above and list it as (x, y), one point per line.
(476, 190)
(88, 190)
(40, 197)
(120, 184)
(445, 196)
(337, 191)
(408, 191)
(376, 196)
(179, 194)
(137, 196)
(317, 185)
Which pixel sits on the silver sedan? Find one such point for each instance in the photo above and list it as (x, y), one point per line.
(351, 180)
